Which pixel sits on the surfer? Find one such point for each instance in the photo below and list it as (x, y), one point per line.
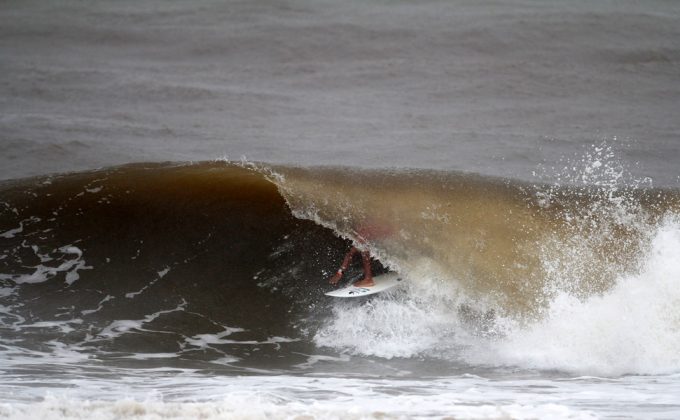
(367, 281)
(371, 230)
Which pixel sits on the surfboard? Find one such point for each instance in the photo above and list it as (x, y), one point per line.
(382, 282)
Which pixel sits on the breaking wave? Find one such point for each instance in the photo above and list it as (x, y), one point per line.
(223, 266)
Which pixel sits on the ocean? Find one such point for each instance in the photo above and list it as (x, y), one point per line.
(179, 180)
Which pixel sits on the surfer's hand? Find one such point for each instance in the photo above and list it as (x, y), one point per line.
(336, 278)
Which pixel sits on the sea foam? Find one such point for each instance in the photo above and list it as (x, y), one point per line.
(634, 328)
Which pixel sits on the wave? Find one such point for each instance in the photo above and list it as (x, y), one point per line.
(227, 263)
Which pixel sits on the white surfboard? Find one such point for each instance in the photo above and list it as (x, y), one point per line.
(382, 282)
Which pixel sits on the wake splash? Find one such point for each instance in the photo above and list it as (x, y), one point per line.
(409, 322)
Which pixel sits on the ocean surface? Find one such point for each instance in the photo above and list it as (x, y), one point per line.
(179, 180)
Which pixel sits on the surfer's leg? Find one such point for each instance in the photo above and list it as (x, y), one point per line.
(343, 267)
(367, 281)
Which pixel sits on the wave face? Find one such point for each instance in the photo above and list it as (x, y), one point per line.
(159, 261)
(223, 266)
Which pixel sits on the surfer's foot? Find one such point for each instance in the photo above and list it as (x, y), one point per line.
(365, 282)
